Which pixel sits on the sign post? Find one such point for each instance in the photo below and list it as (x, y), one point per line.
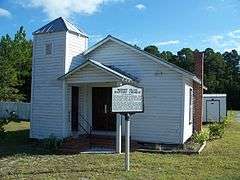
(127, 100)
(127, 141)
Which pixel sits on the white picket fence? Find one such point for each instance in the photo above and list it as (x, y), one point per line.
(22, 109)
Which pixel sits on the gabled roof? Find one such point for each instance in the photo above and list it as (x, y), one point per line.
(58, 25)
(150, 56)
(121, 75)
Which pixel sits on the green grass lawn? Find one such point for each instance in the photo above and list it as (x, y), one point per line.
(219, 160)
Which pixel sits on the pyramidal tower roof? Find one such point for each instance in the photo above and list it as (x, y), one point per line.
(58, 25)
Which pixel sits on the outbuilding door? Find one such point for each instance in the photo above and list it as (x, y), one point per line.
(212, 110)
(102, 117)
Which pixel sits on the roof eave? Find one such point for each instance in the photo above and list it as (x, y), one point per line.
(194, 78)
(155, 58)
(73, 70)
(39, 33)
(66, 26)
(116, 74)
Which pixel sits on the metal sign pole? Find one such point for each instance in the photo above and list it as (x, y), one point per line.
(127, 100)
(127, 141)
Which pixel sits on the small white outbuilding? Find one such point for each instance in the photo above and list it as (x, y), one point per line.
(214, 107)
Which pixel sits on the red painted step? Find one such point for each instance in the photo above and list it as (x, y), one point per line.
(77, 145)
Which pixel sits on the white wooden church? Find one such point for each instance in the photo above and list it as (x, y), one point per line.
(72, 88)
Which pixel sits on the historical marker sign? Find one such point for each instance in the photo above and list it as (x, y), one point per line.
(127, 99)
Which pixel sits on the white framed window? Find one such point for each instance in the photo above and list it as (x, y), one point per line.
(190, 106)
(48, 48)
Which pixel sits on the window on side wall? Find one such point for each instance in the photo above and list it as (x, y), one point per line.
(190, 106)
(48, 48)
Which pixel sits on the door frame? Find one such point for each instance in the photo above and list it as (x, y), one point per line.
(76, 129)
(219, 112)
(114, 116)
(89, 106)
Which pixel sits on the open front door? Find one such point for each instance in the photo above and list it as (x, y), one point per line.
(75, 104)
(102, 117)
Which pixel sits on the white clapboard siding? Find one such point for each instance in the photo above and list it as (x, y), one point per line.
(50, 96)
(187, 126)
(163, 118)
(22, 109)
(47, 95)
(90, 74)
(164, 89)
(75, 45)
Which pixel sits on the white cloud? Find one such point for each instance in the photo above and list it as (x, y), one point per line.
(234, 45)
(4, 13)
(164, 43)
(140, 7)
(224, 42)
(229, 7)
(214, 39)
(66, 8)
(210, 8)
(234, 34)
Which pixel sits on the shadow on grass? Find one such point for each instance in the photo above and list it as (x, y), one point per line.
(18, 142)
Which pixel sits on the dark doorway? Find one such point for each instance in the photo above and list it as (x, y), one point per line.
(75, 104)
(102, 117)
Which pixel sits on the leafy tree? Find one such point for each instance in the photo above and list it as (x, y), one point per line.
(8, 75)
(214, 70)
(232, 78)
(23, 62)
(221, 71)
(152, 50)
(186, 59)
(15, 67)
(168, 56)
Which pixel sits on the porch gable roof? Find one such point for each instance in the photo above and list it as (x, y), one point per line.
(116, 72)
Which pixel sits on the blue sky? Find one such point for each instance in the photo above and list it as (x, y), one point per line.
(168, 24)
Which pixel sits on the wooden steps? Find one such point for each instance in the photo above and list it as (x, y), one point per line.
(78, 145)
(103, 141)
(73, 145)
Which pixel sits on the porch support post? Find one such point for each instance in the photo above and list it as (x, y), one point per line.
(119, 135)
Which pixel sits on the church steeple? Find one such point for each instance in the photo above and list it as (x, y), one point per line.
(58, 25)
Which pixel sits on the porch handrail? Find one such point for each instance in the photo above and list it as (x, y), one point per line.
(84, 129)
(85, 120)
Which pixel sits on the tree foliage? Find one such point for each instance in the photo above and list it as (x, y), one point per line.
(221, 71)
(152, 50)
(15, 67)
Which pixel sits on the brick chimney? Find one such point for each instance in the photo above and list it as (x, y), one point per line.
(198, 92)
